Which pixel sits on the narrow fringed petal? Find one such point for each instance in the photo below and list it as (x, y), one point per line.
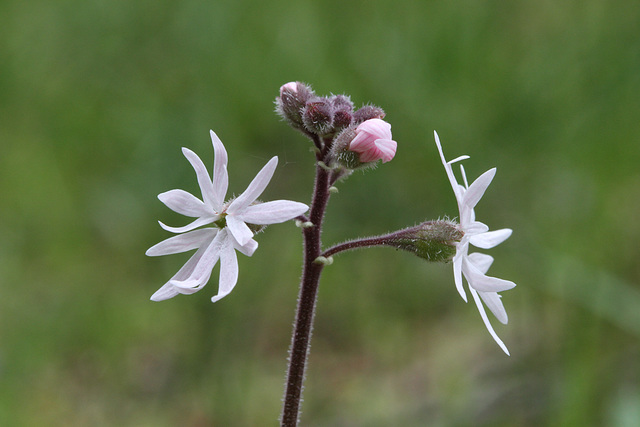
(184, 203)
(195, 224)
(481, 261)
(204, 180)
(485, 319)
(474, 227)
(457, 277)
(228, 271)
(273, 212)
(220, 175)
(457, 190)
(482, 282)
(241, 232)
(183, 242)
(493, 301)
(255, 188)
(247, 249)
(490, 239)
(477, 189)
(168, 290)
(201, 273)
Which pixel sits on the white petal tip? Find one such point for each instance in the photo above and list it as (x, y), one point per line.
(217, 298)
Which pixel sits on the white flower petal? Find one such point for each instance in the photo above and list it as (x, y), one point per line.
(204, 180)
(255, 189)
(494, 303)
(239, 229)
(195, 224)
(457, 277)
(184, 203)
(168, 290)
(485, 319)
(220, 175)
(248, 249)
(476, 190)
(201, 273)
(475, 227)
(482, 282)
(490, 239)
(457, 159)
(164, 293)
(272, 212)
(481, 261)
(228, 271)
(448, 170)
(183, 242)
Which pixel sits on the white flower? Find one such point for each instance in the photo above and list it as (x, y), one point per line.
(230, 232)
(475, 266)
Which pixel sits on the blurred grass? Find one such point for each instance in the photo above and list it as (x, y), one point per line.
(96, 99)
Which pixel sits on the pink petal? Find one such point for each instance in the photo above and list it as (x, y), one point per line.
(387, 149)
(377, 127)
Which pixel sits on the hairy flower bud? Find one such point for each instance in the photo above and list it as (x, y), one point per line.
(368, 112)
(342, 111)
(292, 99)
(431, 240)
(317, 116)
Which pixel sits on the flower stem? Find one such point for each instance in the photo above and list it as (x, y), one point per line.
(307, 297)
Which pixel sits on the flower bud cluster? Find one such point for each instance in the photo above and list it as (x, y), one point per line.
(352, 138)
(320, 115)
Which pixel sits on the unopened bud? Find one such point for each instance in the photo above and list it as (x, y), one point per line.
(432, 240)
(368, 112)
(317, 116)
(292, 99)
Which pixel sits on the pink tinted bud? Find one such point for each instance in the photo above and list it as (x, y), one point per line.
(373, 141)
(289, 87)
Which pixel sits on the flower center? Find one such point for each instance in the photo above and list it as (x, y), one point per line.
(222, 222)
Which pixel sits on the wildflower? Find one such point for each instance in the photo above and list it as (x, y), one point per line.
(373, 141)
(234, 223)
(475, 266)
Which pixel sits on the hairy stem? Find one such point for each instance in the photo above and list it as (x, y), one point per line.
(303, 325)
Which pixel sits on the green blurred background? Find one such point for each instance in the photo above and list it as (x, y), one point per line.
(96, 99)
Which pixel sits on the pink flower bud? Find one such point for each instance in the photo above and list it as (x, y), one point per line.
(289, 87)
(373, 141)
